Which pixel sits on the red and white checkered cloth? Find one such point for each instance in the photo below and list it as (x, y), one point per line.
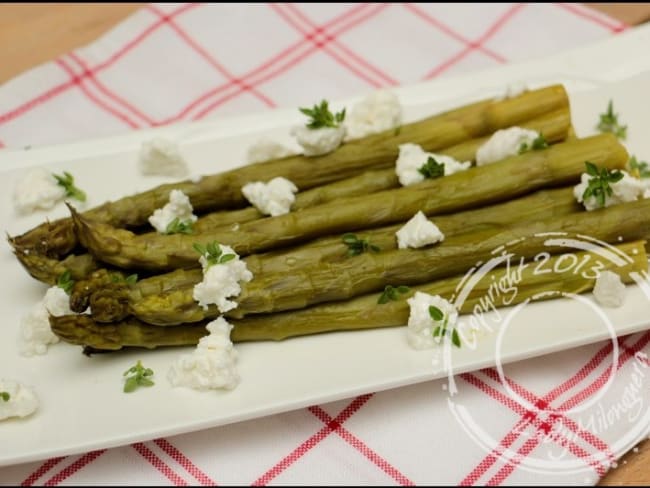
(558, 419)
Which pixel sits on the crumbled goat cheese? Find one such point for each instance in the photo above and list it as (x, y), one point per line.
(179, 207)
(318, 141)
(35, 332)
(504, 143)
(378, 112)
(22, 400)
(37, 189)
(265, 150)
(272, 198)
(513, 90)
(419, 332)
(221, 281)
(418, 232)
(627, 189)
(160, 156)
(211, 365)
(609, 290)
(412, 157)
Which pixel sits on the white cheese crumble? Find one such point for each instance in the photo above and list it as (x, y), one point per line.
(609, 290)
(378, 112)
(37, 189)
(418, 232)
(272, 198)
(627, 189)
(22, 400)
(412, 157)
(35, 332)
(211, 365)
(221, 281)
(316, 142)
(265, 150)
(161, 156)
(179, 207)
(504, 143)
(421, 325)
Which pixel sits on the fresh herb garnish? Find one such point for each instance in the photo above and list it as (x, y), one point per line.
(391, 293)
(177, 226)
(5, 396)
(322, 117)
(67, 182)
(538, 143)
(599, 184)
(139, 376)
(65, 281)
(213, 253)
(356, 245)
(132, 279)
(432, 169)
(609, 123)
(639, 167)
(441, 330)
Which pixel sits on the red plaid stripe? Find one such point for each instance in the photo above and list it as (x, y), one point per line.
(44, 468)
(438, 24)
(79, 81)
(554, 415)
(173, 452)
(294, 54)
(476, 45)
(90, 75)
(331, 425)
(590, 15)
(211, 60)
(58, 89)
(80, 463)
(158, 463)
(345, 56)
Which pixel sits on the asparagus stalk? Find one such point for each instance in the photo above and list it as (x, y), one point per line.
(360, 313)
(540, 205)
(514, 176)
(171, 294)
(371, 272)
(373, 152)
(554, 125)
(48, 270)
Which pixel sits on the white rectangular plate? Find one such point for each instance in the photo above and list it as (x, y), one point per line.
(82, 404)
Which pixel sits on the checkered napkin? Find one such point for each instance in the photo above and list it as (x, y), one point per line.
(559, 419)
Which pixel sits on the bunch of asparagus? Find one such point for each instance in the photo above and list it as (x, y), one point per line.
(305, 281)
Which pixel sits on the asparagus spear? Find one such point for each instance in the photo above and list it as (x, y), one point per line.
(371, 272)
(514, 176)
(553, 125)
(543, 204)
(540, 205)
(360, 313)
(48, 270)
(377, 151)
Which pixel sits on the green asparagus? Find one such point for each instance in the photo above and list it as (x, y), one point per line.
(46, 269)
(514, 176)
(55, 239)
(359, 313)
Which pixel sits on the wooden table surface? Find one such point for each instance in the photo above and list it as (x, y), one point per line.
(34, 33)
